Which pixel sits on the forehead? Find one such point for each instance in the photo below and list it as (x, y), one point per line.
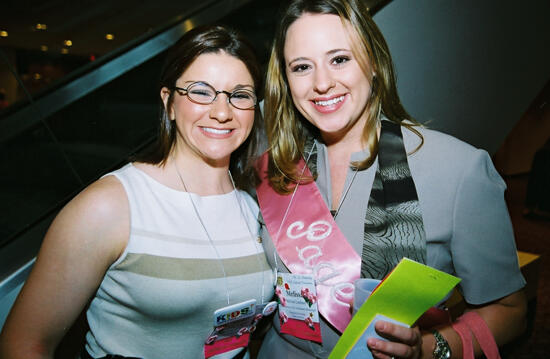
(218, 69)
(315, 34)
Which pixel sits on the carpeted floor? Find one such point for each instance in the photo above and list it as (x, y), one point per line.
(532, 235)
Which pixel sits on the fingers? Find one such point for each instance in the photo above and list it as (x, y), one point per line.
(402, 342)
(398, 333)
(384, 350)
(379, 355)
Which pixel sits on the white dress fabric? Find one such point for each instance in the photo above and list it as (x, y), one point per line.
(157, 300)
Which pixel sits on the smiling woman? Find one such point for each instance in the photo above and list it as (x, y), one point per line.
(327, 83)
(144, 245)
(212, 128)
(209, 125)
(341, 143)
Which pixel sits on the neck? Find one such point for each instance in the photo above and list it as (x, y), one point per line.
(348, 142)
(348, 139)
(200, 177)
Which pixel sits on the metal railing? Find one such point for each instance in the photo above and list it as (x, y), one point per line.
(92, 77)
(87, 80)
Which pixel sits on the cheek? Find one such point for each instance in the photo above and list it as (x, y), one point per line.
(299, 93)
(249, 122)
(298, 88)
(360, 83)
(189, 111)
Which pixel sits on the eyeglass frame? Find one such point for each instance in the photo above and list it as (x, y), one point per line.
(217, 92)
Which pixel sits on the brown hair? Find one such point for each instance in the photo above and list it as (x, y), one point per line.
(286, 127)
(205, 40)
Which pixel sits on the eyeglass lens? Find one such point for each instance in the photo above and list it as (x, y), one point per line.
(205, 94)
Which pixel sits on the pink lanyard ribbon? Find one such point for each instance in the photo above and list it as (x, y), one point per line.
(309, 241)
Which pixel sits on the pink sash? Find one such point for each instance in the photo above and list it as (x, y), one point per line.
(472, 323)
(310, 242)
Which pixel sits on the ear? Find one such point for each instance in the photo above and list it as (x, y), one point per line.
(165, 95)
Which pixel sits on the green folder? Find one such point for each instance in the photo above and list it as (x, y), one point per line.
(404, 295)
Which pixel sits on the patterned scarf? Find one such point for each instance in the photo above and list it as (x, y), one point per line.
(393, 221)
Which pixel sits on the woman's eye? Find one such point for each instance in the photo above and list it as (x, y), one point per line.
(244, 95)
(340, 60)
(300, 68)
(200, 92)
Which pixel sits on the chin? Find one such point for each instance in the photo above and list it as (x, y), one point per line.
(333, 128)
(219, 157)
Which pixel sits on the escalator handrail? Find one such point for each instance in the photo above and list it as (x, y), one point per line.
(97, 74)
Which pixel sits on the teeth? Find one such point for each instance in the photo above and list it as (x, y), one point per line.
(216, 131)
(330, 102)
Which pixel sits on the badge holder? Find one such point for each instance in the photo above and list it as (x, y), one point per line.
(234, 323)
(233, 326)
(298, 312)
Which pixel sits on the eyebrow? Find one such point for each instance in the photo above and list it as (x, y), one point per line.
(239, 86)
(236, 87)
(331, 52)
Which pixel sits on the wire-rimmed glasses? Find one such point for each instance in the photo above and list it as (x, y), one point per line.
(204, 94)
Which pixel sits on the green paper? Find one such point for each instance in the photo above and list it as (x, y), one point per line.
(404, 295)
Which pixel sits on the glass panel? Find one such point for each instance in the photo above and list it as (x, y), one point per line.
(34, 178)
(10, 90)
(46, 41)
(102, 129)
(46, 165)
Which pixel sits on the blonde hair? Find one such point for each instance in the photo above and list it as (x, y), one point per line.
(287, 129)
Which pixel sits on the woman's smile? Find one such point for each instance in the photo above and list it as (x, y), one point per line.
(326, 81)
(215, 132)
(329, 105)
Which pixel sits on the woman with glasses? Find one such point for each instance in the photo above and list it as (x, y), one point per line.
(164, 252)
(352, 184)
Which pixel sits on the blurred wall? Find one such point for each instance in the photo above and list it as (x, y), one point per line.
(469, 68)
(528, 136)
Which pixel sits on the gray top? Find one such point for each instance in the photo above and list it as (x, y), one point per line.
(468, 228)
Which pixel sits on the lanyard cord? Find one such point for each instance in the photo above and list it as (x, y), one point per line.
(239, 200)
(290, 203)
(220, 261)
(205, 231)
(345, 193)
(296, 188)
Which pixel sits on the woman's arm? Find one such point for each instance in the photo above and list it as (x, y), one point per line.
(86, 237)
(484, 257)
(504, 317)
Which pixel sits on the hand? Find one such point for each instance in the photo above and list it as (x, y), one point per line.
(403, 342)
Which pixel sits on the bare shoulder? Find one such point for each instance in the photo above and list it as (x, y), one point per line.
(105, 197)
(84, 240)
(98, 217)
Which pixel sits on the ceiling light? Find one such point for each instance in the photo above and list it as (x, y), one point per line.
(3, 33)
(68, 43)
(41, 26)
(188, 25)
(110, 36)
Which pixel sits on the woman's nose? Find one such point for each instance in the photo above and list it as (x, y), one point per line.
(221, 110)
(323, 80)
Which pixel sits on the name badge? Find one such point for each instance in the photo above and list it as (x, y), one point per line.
(233, 326)
(298, 312)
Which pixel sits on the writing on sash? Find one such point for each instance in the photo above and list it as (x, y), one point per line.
(311, 256)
